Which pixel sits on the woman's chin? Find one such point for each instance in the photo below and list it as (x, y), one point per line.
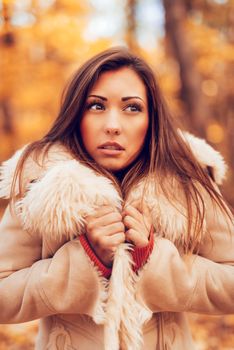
(113, 167)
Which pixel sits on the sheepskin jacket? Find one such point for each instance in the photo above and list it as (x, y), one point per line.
(46, 274)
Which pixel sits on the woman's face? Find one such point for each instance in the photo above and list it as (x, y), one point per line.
(115, 121)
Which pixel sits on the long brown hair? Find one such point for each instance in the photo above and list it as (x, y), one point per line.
(164, 152)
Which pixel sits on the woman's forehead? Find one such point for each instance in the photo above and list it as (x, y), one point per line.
(124, 80)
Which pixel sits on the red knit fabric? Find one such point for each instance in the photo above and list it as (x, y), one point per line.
(106, 271)
(141, 255)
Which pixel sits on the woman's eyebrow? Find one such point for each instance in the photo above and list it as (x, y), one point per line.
(129, 97)
(98, 96)
(123, 98)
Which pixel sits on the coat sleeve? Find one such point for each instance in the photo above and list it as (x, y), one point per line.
(31, 287)
(201, 283)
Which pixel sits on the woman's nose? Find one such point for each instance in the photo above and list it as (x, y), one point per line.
(112, 125)
(112, 131)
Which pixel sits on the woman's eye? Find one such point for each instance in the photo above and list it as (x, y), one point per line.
(133, 108)
(95, 106)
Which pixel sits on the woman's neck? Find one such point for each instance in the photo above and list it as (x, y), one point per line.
(120, 174)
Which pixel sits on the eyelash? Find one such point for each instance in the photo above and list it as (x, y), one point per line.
(93, 103)
(138, 107)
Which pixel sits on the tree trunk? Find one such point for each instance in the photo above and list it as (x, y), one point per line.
(7, 43)
(196, 108)
(7, 117)
(131, 24)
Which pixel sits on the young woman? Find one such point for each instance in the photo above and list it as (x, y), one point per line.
(116, 227)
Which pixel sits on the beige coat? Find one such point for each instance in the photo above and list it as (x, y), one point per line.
(46, 274)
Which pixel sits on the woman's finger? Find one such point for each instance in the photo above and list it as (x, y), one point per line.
(104, 220)
(142, 219)
(132, 211)
(146, 211)
(108, 219)
(134, 237)
(114, 228)
(103, 210)
(131, 222)
(143, 208)
(99, 212)
(137, 204)
(113, 240)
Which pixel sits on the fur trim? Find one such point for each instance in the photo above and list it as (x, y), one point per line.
(207, 156)
(69, 191)
(116, 294)
(169, 215)
(132, 318)
(99, 315)
(120, 313)
(7, 170)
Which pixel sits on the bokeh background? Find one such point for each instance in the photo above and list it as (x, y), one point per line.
(188, 43)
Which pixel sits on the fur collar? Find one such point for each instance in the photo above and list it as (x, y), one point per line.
(207, 156)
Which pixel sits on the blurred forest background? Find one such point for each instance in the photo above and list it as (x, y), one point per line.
(189, 44)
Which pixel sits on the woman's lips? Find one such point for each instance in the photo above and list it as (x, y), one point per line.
(110, 152)
(111, 144)
(111, 148)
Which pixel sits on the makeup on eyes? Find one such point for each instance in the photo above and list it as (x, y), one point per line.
(136, 106)
(94, 102)
(99, 101)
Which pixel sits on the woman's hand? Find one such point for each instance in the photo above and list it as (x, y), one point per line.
(105, 231)
(137, 221)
